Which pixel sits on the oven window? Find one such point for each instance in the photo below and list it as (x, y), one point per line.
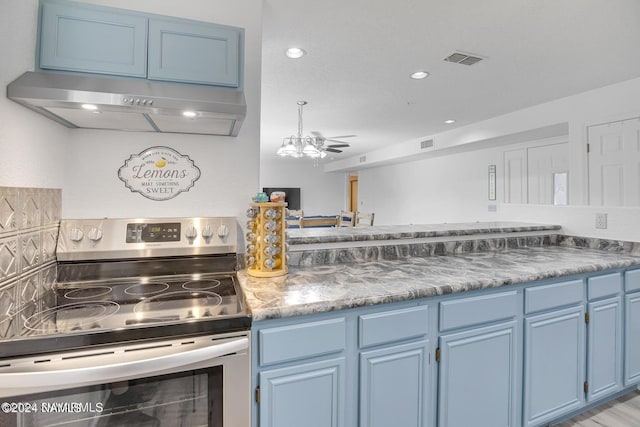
(187, 399)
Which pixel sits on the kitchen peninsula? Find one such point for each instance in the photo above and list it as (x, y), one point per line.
(450, 325)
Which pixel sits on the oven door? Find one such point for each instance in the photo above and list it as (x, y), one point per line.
(194, 381)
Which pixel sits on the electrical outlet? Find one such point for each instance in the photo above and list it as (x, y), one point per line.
(601, 220)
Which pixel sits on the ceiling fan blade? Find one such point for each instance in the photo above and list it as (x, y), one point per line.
(339, 145)
(317, 134)
(340, 137)
(332, 150)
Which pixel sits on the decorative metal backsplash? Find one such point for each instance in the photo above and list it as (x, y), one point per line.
(29, 222)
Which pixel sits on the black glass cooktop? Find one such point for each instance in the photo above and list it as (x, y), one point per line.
(79, 313)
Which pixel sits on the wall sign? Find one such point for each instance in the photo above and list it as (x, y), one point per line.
(492, 182)
(159, 173)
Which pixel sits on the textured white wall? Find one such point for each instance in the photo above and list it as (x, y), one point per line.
(451, 188)
(320, 193)
(39, 152)
(32, 148)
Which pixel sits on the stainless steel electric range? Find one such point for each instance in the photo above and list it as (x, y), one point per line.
(146, 322)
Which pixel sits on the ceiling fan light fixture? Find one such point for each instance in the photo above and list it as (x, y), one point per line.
(309, 148)
(295, 52)
(418, 75)
(298, 146)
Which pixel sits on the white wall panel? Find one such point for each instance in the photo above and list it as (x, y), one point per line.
(515, 176)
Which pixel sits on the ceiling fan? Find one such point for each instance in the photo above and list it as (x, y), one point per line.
(321, 140)
(310, 146)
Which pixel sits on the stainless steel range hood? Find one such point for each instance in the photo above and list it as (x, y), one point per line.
(97, 102)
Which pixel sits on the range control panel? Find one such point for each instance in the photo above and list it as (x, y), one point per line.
(110, 238)
(155, 232)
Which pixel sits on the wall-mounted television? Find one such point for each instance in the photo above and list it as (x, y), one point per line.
(292, 195)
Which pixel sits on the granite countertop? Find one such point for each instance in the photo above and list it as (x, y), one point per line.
(412, 231)
(322, 288)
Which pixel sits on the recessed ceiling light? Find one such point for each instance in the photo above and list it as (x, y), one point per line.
(295, 52)
(419, 75)
(189, 114)
(449, 121)
(90, 107)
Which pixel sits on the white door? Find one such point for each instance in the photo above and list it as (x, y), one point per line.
(542, 163)
(614, 163)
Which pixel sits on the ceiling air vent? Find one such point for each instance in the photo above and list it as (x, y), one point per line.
(463, 58)
(426, 144)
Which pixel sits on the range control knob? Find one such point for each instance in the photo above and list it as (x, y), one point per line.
(223, 231)
(207, 232)
(191, 233)
(76, 235)
(95, 234)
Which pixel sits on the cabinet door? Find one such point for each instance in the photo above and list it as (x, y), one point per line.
(93, 39)
(310, 394)
(614, 163)
(554, 353)
(604, 349)
(394, 386)
(194, 52)
(632, 339)
(478, 377)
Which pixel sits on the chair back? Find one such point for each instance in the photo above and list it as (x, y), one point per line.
(347, 219)
(364, 219)
(324, 221)
(293, 218)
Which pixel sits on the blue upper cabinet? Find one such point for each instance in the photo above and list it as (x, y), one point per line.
(87, 38)
(194, 52)
(92, 39)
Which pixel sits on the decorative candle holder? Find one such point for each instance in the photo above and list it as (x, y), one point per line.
(266, 234)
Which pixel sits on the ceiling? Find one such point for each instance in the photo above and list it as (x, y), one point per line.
(360, 53)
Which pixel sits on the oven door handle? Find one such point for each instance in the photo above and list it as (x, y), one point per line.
(61, 374)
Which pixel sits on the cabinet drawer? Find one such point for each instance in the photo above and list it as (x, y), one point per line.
(545, 297)
(301, 341)
(396, 325)
(604, 286)
(477, 310)
(632, 280)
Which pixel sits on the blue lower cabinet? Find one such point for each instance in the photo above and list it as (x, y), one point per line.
(632, 339)
(604, 348)
(554, 364)
(309, 394)
(394, 386)
(477, 384)
(524, 357)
